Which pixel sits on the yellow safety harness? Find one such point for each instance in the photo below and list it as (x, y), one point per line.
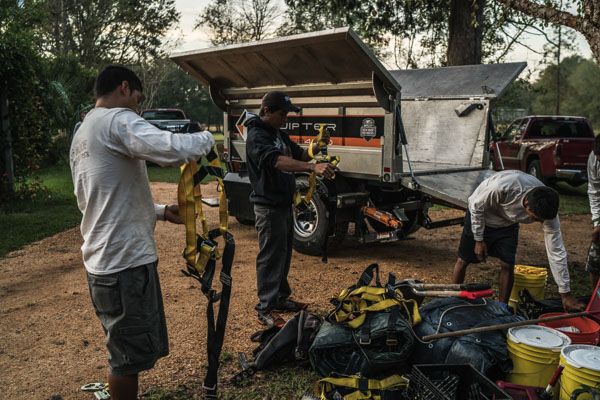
(365, 388)
(353, 304)
(189, 197)
(201, 252)
(301, 202)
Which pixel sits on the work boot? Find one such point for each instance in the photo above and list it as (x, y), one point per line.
(289, 305)
(271, 319)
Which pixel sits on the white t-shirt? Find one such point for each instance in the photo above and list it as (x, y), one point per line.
(111, 184)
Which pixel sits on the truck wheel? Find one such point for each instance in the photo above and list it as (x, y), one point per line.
(245, 221)
(310, 225)
(534, 168)
(413, 224)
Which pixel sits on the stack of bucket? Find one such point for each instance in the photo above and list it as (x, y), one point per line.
(535, 353)
(530, 278)
(582, 367)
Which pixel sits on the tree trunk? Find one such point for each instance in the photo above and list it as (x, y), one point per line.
(588, 25)
(465, 32)
(9, 178)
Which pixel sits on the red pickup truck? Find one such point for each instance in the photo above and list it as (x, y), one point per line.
(551, 148)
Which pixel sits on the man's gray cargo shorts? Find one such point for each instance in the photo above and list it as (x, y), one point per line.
(130, 308)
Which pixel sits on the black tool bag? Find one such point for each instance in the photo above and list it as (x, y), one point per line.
(340, 350)
(280, 345)
(381, 344)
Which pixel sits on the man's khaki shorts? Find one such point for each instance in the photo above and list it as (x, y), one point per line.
(130, 308)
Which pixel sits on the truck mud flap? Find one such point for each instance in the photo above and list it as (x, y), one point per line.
(452, 187)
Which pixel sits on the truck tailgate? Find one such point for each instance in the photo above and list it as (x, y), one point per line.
(575, 152)
(452, 187)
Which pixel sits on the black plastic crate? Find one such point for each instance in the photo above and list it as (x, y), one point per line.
(452, 382)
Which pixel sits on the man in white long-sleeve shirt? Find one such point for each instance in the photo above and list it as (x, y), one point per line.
(592, 264)
(108, 167)
(491, 227)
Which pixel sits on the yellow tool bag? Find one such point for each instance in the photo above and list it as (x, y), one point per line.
(201, 254)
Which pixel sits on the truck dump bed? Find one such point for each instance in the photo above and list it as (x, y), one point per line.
(445, 112)
(334, 77)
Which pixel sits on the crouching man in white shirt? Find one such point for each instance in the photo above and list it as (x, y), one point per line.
(491, 228)
(108, 167)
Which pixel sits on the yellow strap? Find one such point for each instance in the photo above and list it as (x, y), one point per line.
(298, 198)
(316, 139)
(223, 212)
(328, 384)
(355, 302)
(189, 198)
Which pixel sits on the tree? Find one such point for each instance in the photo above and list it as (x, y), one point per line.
(176, 89)
(580, 89)
(587, 22)
(26, 123)
(419, 30)
(465, 36)
(561, 40)
(235, 21)
(101, 31)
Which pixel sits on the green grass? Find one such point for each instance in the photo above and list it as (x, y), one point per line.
(284, 382)
(573, 200)
(167, 174)
(55, 211)
(43, 216)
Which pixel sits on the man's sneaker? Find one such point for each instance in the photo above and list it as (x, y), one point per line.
(290, 305)
(271, 319)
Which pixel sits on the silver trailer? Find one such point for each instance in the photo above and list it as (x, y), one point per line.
(406, 138)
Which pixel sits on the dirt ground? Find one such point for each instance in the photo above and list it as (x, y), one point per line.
(51, 343)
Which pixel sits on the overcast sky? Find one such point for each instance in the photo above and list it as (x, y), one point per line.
(196, 39)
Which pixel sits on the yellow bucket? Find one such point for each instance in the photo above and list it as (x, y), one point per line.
(535, 353)
(530, 278)
(582, 367)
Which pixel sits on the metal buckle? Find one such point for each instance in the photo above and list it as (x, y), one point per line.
(391, 342)
(361, 341)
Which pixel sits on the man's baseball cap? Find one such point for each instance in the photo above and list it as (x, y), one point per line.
(279, 99)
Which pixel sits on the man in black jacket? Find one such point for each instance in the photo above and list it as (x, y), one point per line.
(272, 159)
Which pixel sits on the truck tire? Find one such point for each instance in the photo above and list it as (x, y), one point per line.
(310, 226)
(534, 168)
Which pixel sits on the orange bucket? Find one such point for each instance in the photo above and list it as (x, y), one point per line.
(589, 329)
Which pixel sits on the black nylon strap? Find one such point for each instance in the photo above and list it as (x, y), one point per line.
(216, 331)
(367, 276)
(211, 155)
(205, 171)
(392, 339)
(365, 331)
(363, 384)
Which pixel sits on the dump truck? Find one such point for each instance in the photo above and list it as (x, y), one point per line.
(407, 139)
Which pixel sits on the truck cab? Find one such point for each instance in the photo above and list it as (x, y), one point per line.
(552, 148)
(169, 119)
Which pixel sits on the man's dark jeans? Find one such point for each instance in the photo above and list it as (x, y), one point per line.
(275, 232)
